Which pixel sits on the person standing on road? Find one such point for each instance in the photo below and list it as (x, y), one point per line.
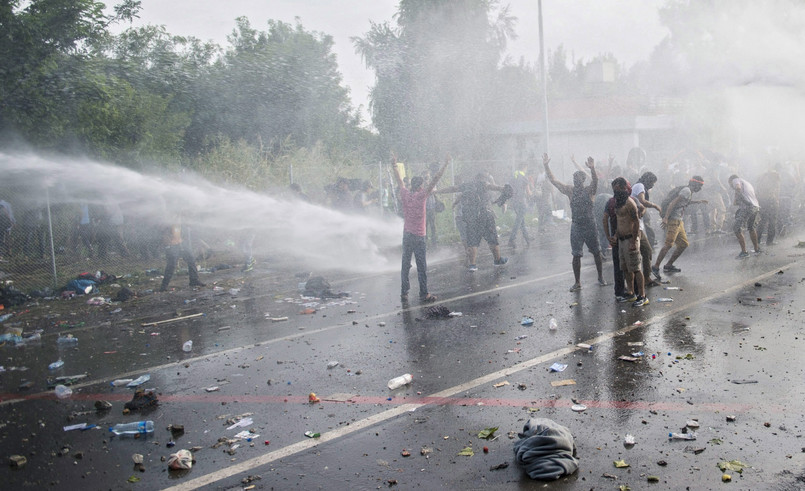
(745, 216)
(522, 192)
(414, 230)
(640, 195)
(479, 219)
(174, 249)
(629, 238)
(582, 230)
(674, 227)
(610, 225)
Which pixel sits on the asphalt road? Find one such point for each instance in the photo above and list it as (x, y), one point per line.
(730, 321)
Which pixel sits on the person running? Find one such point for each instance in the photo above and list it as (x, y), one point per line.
(414, 231)
(479, 219)
(629, 238)
(745, 216)
(582, 230)
(640, 195)
(674, 227)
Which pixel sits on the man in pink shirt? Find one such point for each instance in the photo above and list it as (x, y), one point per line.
(413, 204)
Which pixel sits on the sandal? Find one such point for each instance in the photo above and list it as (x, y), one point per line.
(429, 298)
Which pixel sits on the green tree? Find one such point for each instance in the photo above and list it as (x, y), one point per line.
(434, 73)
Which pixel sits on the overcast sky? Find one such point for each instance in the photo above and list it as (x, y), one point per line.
(627, 28)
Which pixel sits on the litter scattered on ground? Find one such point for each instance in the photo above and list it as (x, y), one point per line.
(175, 319)
(558, 367)
(487, 433)
(620, 464)
(242, 423)
(332, 364)
(466, 452)
(631, 359)
(213, 389)
(562, 383)
(527, 321)
(744, 381)
(181, 460)
(139, 380)
(579, 408)
(312, 434)
(546, 450)
(278, 319)
(501, 384)
(142, 399)
(629, 439)
(732, 465)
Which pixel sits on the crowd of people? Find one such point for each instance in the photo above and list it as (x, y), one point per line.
(695, 195)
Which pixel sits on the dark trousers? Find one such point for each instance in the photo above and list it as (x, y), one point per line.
(519, 225)
(173, 253)
(430, 221)
(768, 222)
(414, 245)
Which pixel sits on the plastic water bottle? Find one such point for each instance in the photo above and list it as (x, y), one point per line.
(121, 382)
(398, 382)
(187, 347)
(55, 365)
(139, 381)
(69, 339)
(63, 392)
(552, 324)
(136, 428)
(681, 436)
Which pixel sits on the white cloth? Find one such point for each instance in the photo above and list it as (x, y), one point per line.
(638, 188)
(746, 192)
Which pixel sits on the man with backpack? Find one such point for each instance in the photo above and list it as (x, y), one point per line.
(479, 220)
(583, 229)
(672, 209)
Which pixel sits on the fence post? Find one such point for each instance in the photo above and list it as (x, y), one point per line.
(52, 247)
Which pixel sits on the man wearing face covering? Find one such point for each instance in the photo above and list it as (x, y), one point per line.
(582, 230)
(414, 230)
(629, 238)
(675, 228)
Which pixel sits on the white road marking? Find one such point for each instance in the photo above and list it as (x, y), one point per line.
(388, 414)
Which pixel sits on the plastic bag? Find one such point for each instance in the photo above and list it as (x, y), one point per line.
(181, 460)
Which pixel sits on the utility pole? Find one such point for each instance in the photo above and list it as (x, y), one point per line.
(544, 79)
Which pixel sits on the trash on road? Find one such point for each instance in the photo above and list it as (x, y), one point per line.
(139, 381)
(562, 383)
(184, 317)
(181, 460)
(628, 439)
(187, 347)
(103, 405)
(501, 384)
(455, 314)
(332, 364)
(242, 423)
(213, 389)
(665, 300)
(313, 398)
(732, 465)
(466, 452)
(400, 381)
(499, 466)
(631, 359)
(55, 365)
(17, 461)
(681, 436)
(141, 399)
(552, 324)
(744, 381)
(545, 450)
(311, 434)
(579, 408)
(620, 464)
(138, 462)
(487, 433)
(63, 392)
(278, 319)
(558, 367)
(79, 426)
(527, 321)
(135, 428)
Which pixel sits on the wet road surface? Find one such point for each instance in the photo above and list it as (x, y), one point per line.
(729, 344)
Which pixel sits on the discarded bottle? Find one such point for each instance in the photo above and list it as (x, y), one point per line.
(139, 380)
(63, 392)
(681, 436)
(55, 365)
(398, 382)
(69, 339)
(552, 324)
(665, 300)
(33, 338)
(121, 382)
(187, 347)
(136, 428)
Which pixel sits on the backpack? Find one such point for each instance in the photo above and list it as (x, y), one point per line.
(666, 202)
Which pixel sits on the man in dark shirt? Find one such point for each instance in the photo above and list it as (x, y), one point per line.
(582, 230)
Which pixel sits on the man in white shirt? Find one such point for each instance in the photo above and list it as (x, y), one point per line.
(746, 215)
(640, 194)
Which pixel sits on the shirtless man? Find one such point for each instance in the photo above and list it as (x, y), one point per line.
(628, 237)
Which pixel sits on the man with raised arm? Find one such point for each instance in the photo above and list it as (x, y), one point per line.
(414, 230)
(583, 229)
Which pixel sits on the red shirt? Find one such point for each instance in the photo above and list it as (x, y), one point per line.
(414, 211)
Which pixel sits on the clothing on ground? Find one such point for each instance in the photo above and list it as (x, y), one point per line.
(546, 450)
